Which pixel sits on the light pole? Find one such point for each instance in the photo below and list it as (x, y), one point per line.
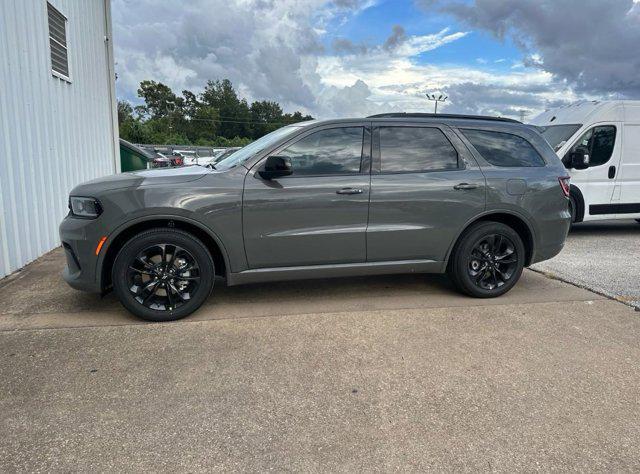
(436, 98)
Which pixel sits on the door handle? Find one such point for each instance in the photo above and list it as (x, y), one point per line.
(612, 172)
(349, 191)
(465, 186)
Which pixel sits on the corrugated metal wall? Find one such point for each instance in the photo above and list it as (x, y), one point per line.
(54, 134)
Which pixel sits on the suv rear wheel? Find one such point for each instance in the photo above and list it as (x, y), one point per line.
(163, 274)
(488, 260)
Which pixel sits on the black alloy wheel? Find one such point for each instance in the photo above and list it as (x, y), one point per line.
(163, 274)
(492, 262)
(487, 260)
(163, 277)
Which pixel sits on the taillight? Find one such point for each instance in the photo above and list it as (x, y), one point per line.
(564, 184)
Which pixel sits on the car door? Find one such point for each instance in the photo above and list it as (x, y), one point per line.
(627, 191)
(424, 187)
(602, 143)
(318, 214)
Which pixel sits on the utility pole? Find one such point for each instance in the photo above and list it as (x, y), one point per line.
(436, 98)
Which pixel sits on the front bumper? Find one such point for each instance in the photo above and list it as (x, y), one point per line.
(79, 240)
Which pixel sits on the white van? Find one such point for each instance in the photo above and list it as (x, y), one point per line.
(599, 142)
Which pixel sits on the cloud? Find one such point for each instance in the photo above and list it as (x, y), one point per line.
(591, 44)
(263, 46)
(503, 100)
(269, 49)
(278, 50)
(396, 39)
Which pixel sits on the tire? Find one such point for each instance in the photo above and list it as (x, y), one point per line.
(483, 266)
(163, 274)
(638, 221)
(573, 209)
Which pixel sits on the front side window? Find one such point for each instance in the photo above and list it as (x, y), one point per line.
(415, 150)
(243, 154)
(598, 143)
(331, 151)
(504, 149)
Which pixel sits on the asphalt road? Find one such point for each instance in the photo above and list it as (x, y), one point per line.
(366, 374)
(602, 256)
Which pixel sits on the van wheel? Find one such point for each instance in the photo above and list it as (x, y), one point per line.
(573, 209)
(163, 274)
(488, 260)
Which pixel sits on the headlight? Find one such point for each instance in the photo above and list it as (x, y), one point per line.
(86, 207)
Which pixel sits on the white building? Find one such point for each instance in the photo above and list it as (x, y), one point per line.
(58, 117)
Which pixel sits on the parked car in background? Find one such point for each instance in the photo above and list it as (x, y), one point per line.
(161, 161)
(177, 159)
(477, 198)
(189, 157)
(599, 142)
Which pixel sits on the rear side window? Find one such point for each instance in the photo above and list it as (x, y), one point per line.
(415, 150)
(504, 149)
(331, 151)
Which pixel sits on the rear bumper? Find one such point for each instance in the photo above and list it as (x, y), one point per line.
(552, 236)
(547, 252)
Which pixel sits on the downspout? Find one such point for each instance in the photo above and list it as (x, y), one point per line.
(111, 81)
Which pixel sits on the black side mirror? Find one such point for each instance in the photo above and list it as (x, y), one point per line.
(579, 159)
(275, 167)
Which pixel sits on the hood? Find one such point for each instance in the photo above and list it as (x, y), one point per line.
(135, 179)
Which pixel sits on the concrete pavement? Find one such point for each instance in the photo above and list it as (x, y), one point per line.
(601, 256)
(350, 374)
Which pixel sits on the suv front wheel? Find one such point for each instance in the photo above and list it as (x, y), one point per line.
(488, 260)
(163, 274)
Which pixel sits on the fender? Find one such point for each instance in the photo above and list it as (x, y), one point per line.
(172, 217)
(487, 213)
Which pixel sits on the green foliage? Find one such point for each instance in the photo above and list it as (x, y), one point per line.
(216, 117)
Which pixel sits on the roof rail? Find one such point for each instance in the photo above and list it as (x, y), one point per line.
(442, 116)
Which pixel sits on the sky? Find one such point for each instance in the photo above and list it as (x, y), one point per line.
(350, 58)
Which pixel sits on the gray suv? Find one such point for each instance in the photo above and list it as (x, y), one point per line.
(476, 197)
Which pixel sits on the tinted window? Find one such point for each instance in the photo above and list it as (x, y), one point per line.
(332, 151)
(598, 142)
(504, 149)
(415, 149)
(557, 135)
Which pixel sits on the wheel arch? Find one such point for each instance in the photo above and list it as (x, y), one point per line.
(575, 192)
(127, 230)
(516, 222)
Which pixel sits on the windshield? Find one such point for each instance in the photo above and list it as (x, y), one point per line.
(243, 154)
(557, 135)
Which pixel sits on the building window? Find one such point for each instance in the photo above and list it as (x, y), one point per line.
(58, 42)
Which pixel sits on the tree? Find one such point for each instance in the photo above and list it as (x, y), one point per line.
(266, 116)
(216, 117)
(159, 99)
(125, 111)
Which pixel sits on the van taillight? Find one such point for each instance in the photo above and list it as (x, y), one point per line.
(564, 184)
